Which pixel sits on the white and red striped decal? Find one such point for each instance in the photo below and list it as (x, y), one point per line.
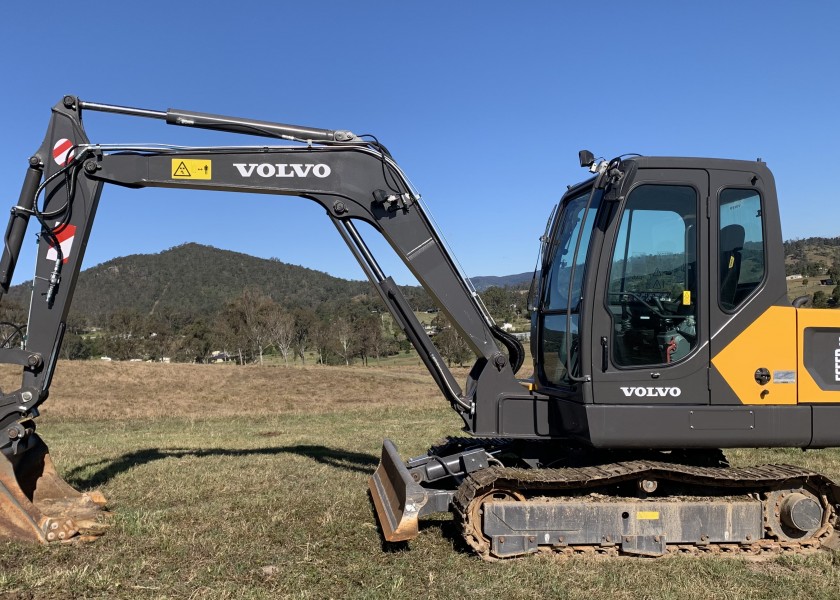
(65, 235)
(62, 153)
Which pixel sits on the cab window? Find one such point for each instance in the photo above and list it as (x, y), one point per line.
(653, 282)
(740, 246)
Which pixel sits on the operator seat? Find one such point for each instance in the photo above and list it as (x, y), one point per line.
(731, 245)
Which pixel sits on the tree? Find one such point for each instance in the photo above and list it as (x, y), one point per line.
(255, 309)
(75, 347)
(322, 340)
(345, 334)
(195, 343)
(13, 313)
(501, 302)
(280, 330)
(305, 322)
(820, 300)
(370, 338)
(124, 337)
(449, 342)
(834, 272)
(240, 324)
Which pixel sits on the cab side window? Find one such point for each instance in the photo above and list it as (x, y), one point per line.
(653, 282)
(740, 246)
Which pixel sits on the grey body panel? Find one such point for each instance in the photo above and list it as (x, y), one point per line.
(673, 426)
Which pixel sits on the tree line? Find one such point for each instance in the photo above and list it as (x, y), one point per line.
(245, 330)
(252, 325)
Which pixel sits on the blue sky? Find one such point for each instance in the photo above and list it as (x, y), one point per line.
(484, 104)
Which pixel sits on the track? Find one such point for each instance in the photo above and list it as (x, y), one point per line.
(771, 484)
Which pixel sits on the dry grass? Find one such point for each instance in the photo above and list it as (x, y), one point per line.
(230, 482)
(100, 390)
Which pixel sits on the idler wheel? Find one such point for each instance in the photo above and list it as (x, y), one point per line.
(473, 528)
(793, 515)
(801, 513)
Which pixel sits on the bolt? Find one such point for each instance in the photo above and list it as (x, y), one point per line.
(26, 396)
(748, 537)
(34, 161)
(51, 536)
(13, 433)
(91, 166)
(500, 361)
(33, 360)
(626, 538)
(339, 207)
(416, 477)
(69, 101)
(502, 540)
(531, 538)
(53, 525)
(656, 538)
(61, 535)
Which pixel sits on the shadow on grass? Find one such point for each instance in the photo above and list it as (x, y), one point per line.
(107, 469)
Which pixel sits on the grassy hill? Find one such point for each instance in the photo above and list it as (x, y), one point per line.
(198, 280)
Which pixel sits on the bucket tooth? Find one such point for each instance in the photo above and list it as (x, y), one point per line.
(396, 496)
(36, 504)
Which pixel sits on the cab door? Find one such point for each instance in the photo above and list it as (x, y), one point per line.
(753, 341)
(650, 321)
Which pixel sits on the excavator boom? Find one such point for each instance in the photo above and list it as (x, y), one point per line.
(354, 180)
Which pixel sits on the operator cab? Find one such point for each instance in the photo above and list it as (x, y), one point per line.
(639, 265)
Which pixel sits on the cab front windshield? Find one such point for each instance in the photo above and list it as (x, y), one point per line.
(560, 309)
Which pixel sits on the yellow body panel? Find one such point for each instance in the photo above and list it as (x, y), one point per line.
(768, 343)
(809, 390)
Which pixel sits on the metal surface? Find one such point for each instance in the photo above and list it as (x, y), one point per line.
(36, 504)
(641, 527)
(397, 497)
(794, 514)
(582, 508)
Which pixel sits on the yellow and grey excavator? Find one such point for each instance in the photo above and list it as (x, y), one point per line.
(661, 334)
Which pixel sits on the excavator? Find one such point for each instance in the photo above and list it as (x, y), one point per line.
(661, 334)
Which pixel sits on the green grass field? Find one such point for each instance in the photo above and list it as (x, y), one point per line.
(251, 482)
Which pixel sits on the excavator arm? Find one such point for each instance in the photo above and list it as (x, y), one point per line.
(351, 178)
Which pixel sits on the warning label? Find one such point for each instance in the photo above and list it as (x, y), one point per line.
(188, 168)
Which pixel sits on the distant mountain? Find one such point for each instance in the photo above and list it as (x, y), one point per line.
(197, 280)
(521, 280)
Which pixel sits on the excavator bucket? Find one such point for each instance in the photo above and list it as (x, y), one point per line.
(396, 496)
(36, 504)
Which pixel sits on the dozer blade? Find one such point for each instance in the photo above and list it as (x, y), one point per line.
(37, 505)
(396, 496)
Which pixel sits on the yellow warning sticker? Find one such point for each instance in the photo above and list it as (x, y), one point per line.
(686, 298)
(731, 261)
(647, 515)
(190, 168)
